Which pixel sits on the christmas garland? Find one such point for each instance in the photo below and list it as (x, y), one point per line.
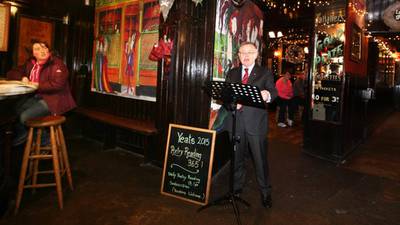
(294, 54)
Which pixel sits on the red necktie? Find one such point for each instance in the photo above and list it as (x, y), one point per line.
(245, 76)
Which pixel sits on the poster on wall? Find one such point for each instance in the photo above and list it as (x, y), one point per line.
(328, 73)
(121, 66)
(30, 29)
(4, 21)
(233, 26)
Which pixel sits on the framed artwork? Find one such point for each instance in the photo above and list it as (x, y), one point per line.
(355, 50)
(4, 22)
(230, 32)
(30, 29)
(125, 32)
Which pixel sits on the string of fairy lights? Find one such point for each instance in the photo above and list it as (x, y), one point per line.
(301, 38)
(383, 45)
(294, 36)
(291, 5)
(357, 8)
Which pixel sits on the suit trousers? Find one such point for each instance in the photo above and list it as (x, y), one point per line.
(257, 146)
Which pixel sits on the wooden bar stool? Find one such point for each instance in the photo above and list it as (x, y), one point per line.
(34, 152)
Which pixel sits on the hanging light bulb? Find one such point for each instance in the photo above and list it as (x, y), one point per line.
(306, 50)
(271, 34)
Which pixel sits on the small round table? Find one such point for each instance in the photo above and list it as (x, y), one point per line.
(11, 88)
(10, 93)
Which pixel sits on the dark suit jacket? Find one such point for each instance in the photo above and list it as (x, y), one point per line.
(252, 120)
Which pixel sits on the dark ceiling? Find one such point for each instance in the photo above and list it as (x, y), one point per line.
(296, 16)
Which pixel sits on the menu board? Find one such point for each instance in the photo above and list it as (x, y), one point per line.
(188, 163)
(327, 96)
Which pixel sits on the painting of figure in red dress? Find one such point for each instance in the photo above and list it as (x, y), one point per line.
(106, 50)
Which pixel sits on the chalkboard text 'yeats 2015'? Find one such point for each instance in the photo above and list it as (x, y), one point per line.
(187, 163)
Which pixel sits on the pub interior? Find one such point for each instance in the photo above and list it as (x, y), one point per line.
(137, 66)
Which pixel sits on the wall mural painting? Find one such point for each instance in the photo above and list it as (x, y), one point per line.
(147, 78)
(233, 26)
(131, 35)
(121, 27)
(151, 14)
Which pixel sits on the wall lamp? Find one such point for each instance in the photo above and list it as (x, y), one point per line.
(272, 34)
(14, 7)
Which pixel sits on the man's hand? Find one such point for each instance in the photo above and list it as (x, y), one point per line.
(266, 96)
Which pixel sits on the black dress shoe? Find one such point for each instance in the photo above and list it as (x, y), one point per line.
(266, 201)
(237, 193)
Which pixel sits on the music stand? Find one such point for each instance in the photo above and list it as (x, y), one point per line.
(231, 94)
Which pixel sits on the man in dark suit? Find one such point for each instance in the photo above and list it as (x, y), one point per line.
(252, 122)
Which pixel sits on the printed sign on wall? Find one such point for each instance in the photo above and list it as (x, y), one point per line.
(328, 72)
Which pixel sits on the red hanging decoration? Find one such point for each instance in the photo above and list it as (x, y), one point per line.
(161, 49)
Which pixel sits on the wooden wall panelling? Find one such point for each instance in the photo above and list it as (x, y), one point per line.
(193, 33)
(181, 98)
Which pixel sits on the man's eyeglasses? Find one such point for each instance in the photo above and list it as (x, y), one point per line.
(247, 53)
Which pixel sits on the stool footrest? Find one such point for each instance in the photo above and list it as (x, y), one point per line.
(40, 185)
(45, 172)
(41, 156)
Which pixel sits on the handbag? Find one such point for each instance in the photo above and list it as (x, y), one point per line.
(156, 53)
(161, 49)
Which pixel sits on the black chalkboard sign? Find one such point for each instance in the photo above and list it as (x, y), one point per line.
(188, 163)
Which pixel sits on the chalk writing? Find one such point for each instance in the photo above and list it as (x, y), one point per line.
(187, 164)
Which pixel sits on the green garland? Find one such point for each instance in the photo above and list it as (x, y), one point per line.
(294, 54)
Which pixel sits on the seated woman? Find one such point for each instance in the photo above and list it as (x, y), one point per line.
(53, 95)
